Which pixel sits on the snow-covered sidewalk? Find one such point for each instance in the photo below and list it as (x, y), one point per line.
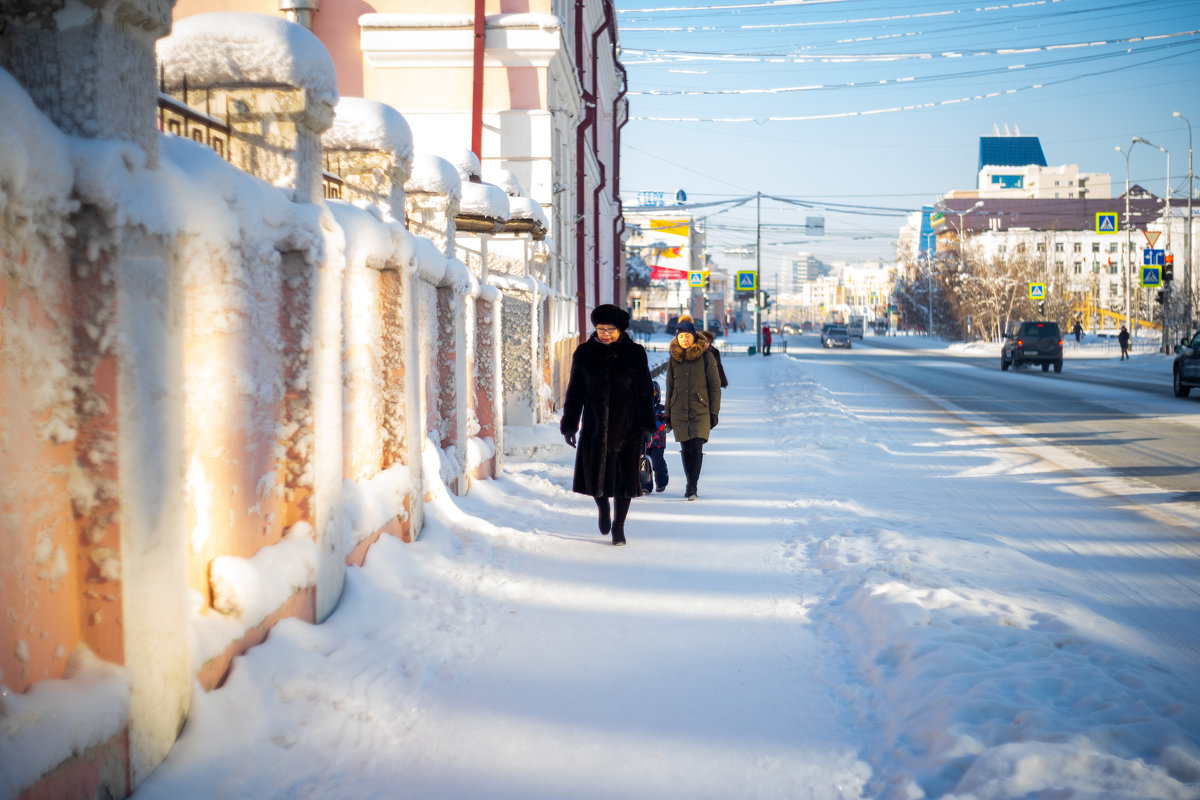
(853, 609)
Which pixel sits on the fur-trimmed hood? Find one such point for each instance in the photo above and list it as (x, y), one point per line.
(691, 354)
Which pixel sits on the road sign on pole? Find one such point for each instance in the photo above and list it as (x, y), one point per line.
(1106, 222)
(1151, 276)
(695, 279)
(1037, 291)
(747, 280)
(1154, 258)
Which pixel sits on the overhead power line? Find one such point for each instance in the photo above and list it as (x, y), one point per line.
(908, 107)
(676, 56)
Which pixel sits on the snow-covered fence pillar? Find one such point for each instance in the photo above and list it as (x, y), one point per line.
(275, 82)
(89, 66)
(486, 452)
(523, 350)
(369, 146)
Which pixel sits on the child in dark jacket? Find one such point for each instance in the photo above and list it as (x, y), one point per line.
(658, 444)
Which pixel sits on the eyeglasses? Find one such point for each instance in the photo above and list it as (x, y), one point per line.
(606, 329)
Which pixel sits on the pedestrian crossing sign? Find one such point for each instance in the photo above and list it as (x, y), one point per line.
(1037, 291)
(747, 280)
(1151, 276)
(695, 279)
(1106, 222)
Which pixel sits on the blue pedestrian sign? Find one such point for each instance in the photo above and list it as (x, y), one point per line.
(1037, 291)
(747, 280)
(1106, 222)
(1151, 276)
(1153, 258)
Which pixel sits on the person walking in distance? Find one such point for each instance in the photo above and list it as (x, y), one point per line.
(693, 400)
(610, 391)
(766, 337)
(1123, 339)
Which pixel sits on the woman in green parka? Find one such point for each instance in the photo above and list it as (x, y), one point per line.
(693, 399)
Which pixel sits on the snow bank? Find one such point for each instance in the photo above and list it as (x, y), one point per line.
(227, 48)
(251, 588)
(369, 505)
(57, 719)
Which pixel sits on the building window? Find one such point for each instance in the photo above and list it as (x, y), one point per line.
(1058, 247)
(1001, 248)
(1078, 268)
(1112, 247)
(1078, 248)
(1095, 247)
(1112, 269)
(1041, 247)
(1058, 266)
(1020, 247)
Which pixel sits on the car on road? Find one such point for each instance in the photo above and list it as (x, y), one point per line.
(835, 337)
(1037, 342)
(1186, 369)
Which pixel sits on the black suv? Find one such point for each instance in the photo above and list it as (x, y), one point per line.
(1033, 343)
(1186, 370)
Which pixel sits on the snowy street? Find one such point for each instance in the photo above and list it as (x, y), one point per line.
(874, 597)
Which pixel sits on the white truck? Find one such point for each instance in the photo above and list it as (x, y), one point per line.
(855, 327)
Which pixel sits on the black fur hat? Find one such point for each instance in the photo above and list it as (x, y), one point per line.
(609, 314)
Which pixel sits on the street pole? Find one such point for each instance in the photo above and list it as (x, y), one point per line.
(929, 275)
(758, 273)
(1167, 214)
(1128, 268)
(1187, 235)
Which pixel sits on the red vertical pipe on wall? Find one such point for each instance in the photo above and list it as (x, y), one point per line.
(477, 81)
(589, 118)
(595, 94)
(619, 223)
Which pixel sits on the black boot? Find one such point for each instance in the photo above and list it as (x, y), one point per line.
(621, 509)
(697, 461)
(605, 520)
(689, 489)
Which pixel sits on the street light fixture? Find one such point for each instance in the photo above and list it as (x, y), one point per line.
(1187, 236)
(962, 242)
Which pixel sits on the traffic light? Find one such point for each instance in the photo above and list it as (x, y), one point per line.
(1168, 271)
(1158, 296)
(766, 300)
(1041, 306)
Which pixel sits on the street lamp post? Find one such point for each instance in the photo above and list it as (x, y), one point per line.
(929, 277)
(962, 255)
(1128, 244)
(1187, 235)
(1167, 215)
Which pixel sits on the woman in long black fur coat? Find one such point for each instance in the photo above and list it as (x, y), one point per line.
(610, 388)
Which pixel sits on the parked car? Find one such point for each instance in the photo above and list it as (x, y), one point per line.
(1186, 369)
(1037, 342)
(835, 337)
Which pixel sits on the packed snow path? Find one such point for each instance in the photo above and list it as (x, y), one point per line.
(853, 609)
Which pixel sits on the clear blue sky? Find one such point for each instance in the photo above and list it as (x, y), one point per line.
(1082, 75)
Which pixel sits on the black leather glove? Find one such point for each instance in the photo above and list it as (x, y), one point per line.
(712, 420)
(570, 437)
(647, 438)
